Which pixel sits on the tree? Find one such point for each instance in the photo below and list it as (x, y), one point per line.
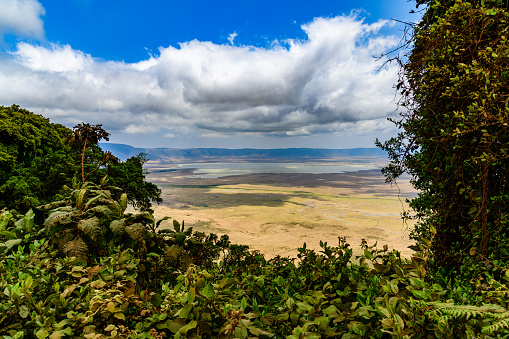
(37, 158)
(131, 178)
(34, 158)
(86, 137)
(454, 139)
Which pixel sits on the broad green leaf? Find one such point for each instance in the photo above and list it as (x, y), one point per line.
(191, 295)
(208, 291)
(42, 333)
(184, 311)
(118, 226)
(23, 311)
(91, 227)
(240, 332)
(383, 311)
(111, 307)
(26, 223)
(225, 282)
(5, 217)
(119, 315)
(9, 244)
(419, 294)
(188, 327)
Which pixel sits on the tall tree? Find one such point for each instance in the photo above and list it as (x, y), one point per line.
(34, 158)
(38, 157)
(454, 138)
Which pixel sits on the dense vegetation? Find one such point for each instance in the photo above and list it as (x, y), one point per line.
(37, 158)
(76, 264)
(454, 138)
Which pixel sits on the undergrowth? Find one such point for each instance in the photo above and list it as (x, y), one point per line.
(90, 270)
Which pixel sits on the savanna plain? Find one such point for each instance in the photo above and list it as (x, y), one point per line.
(275, 213)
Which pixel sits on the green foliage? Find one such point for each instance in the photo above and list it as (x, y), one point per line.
(92, 219)
(454, 138)
(133, 293)
(37, 160)
(86, 137)
(130, 176)
(34, 159)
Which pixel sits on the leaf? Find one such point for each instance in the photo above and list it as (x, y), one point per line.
(399, 321)
(118, 227)
(5, 217)
(26, 223)
(176, 226)
(75, 248)
(9, 244)
(59, 218)
(225, 282)
(161, 220)
(156, 299)
(184, 311)
(119, 315)
(111, 307)
(42, 333)
(240, 332)
(23, 311)
(91, 227)
(103, 210)
(383, 311)
(243, 303)
(110, 328)
(130, 288)
(419, 294)
(123, 202)
(208, 291)
(188, 327)
(175, 325)
(137, 232)
(80, 198)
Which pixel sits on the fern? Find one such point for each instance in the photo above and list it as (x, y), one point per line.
(495, 314)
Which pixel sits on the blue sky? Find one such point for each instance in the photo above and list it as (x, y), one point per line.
(260, 74)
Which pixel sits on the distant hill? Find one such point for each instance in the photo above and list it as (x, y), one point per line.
(189, 155)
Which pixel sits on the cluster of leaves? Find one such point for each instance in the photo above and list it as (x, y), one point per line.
(176, 283)
(37, 158)
(454, 138)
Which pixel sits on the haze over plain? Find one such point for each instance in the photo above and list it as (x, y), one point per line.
(229, 74)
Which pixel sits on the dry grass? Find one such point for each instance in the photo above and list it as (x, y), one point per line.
(276, 213)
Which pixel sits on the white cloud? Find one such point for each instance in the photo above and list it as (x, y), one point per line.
(55, 59)
(232, 37)
(22, 17)
(328, 83)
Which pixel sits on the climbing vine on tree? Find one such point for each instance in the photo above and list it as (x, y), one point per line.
(454, 138)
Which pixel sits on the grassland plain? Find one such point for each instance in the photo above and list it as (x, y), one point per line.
(277, 213)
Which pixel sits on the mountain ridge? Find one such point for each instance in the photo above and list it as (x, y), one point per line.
(186, 155)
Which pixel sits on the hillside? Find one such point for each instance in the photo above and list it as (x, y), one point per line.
(189, 155)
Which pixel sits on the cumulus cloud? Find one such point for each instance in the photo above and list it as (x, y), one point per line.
(327, 83)
(22, 18)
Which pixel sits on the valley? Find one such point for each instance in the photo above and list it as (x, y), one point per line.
(275, 213)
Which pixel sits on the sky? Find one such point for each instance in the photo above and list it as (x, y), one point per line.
(231, 74)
